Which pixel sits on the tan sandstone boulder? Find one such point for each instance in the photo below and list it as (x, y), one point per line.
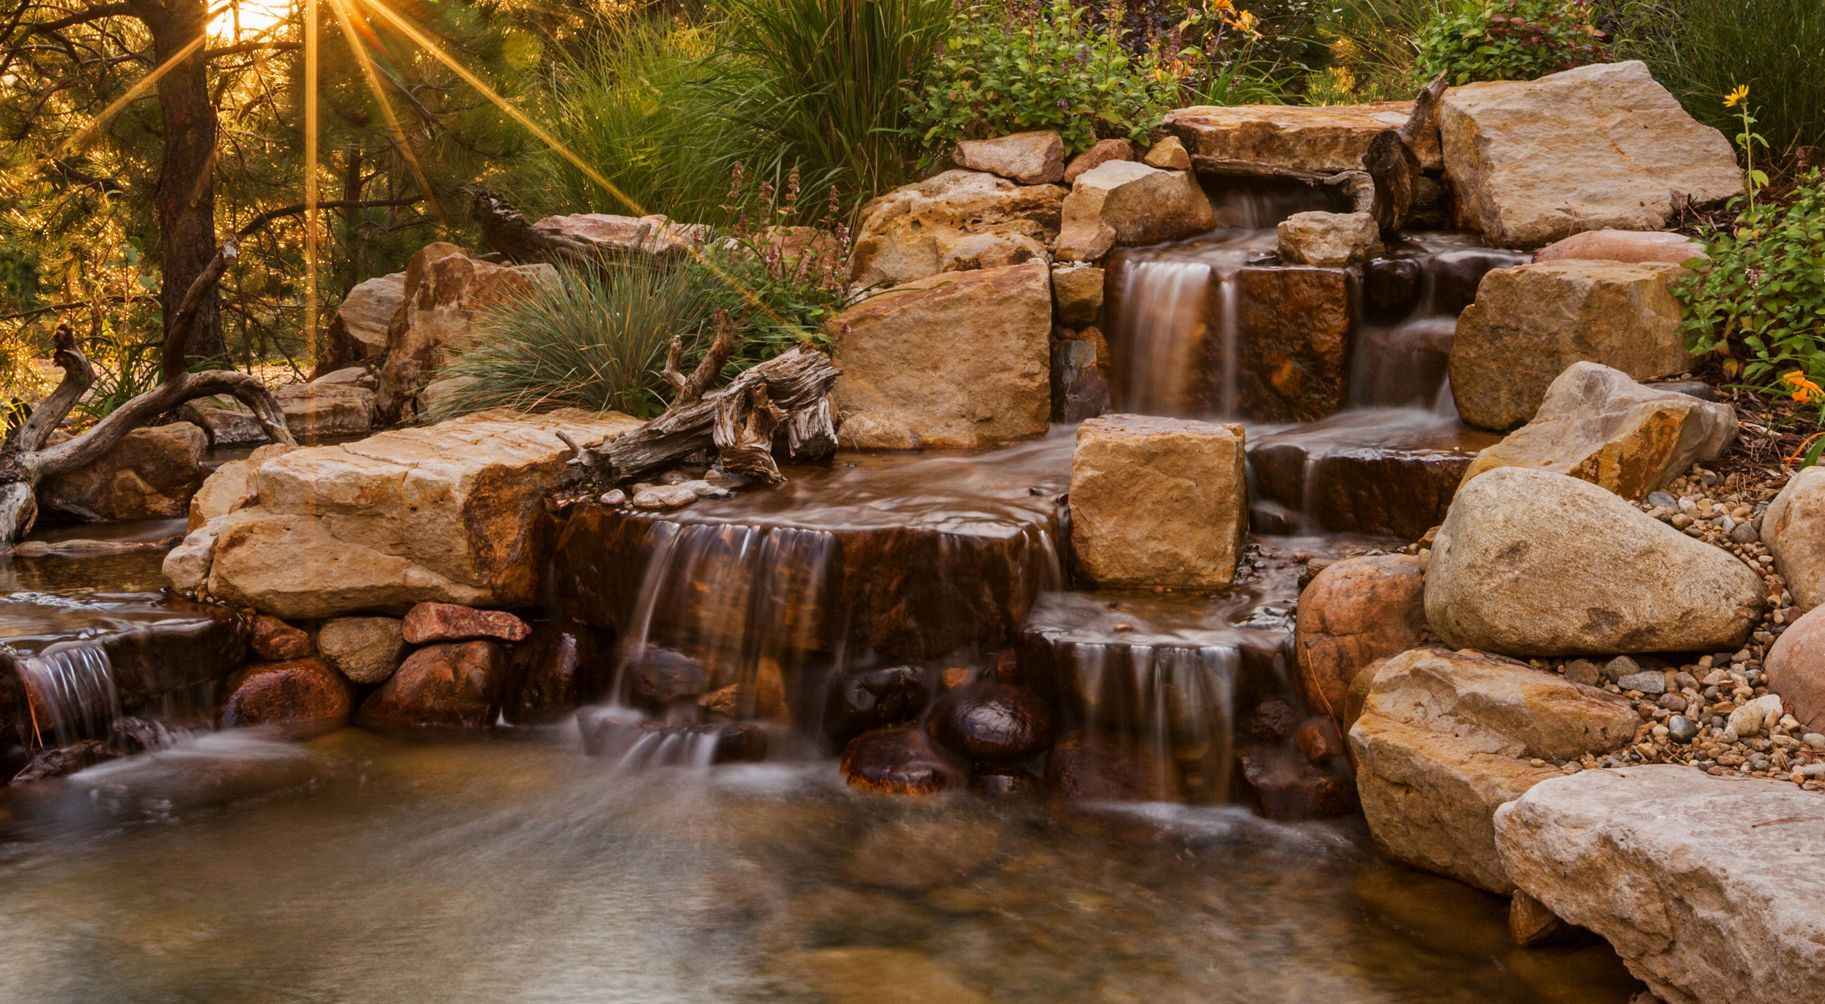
(1029, 158)
(1445, 738)
(1707, 887)
(358, 330)
(231, 486)
(904, 234)
(956, 360)
(451, 512)
(1354, 613)
(1532, 563)
(1530, 322)
(364, 649)
(1329, 238)
(1077, 292)
(653, 234)
(1321, 140)
(150, 474)
(1598, 425)
(1596, 147)
(1794, 530)
(1123, 203)
(1624, 245)
(1158, 501)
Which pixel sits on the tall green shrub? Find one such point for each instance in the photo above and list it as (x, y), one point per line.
(1508, 40)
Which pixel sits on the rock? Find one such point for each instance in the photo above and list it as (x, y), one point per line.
(1318, 740)
(961, 360)
(1794, 530)
(1101, 152)
(659, 498)
(187, 565)
(636, 742)
(446, 288)
(862, 700)
(1029, 158)
(456, 685)
(1284, 785)
(1650, 682)
(904, 234)
(1796, 668)
(1705, 886)
(1625, 245)
(1446, 737)
(1355, 612)
(860, 975)
(1531, 563)
(318, 411)
(365, 649)
(433, 622)
(1637, 155)
(1530, 322)
(897, 761)
(658, 676)
(989, 721)
(990, 251)
(1077, 293)
(355, 376)
(1754, 718)
(1101, 769)
(453, 512)
(1531, 923)
(1310, 140)
(1168, 154)
(276, 641)
(150, 474)
(1080, 387)
(231, 486)
(1329, 238)
(301, 698)
(1585, 672)
(1681, 729)
(1122, 204)
(1158, 501)
(1598, 425)
(357, 331)
(654, 234)
(1004, 783)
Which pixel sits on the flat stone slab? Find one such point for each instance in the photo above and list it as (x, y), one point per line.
(1314, 140)
(1708, 887)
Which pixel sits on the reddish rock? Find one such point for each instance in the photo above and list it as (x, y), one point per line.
(1796, 668)
(1354, 612)
(1098, 769)
(277, 641)
(457, 685)
(1625, 245)
(1004, 782)
(658, 676)
(897, 761)
(1270, 721)
(1102, 152)
(555, 671)
(301, 698)
(435, 622)
(991, 721)
(1284, 786)
(1319, 740)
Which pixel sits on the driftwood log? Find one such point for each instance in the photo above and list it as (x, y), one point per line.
(779, 408)
(25, 459)
(1393, 162)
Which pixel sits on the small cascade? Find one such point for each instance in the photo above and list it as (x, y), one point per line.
(69, 693)
(1175, 314)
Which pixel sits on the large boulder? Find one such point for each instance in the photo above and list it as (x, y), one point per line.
(452, 512)
(1315, 140)
(1625, 245)
(1707, 887)
(649, 235)
(1598, 425)
(231, 486)
(357, 332)
(1158, 501)
(446, 289)
(1122, 203)
(905, 234)
(1533, 563)
(1030, 158)
(957, 360)
(1354, 613)
(1444, 738)
(150, 474)
(1529, 322)
(323, 410)
(1794, 530)
(1596, 147)
(1796, 669)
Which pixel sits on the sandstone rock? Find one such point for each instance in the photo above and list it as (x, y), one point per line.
(1636, 856)
(990, 721)
(1796, 668)
(959, 360)
(1283, 785)
(1624, 245)
(897, 761)
(1080, 386)
(1158, 501)
(1636, 151)
(1316, 140)
(654, 234)
(1168, 154)
(301, 698)
(150, 474)
(1329, 238)
(365, 649)
(557, 670)
(1122, 203)
(1354, 613)
(445, 290)
(1532, 563)
(456, 686)
(325, 410)
(1101, 152)
(658, 676)
(1077, 292)
(990, 251)
(432, 621)
(230, 487)
(358, 331)
(276, 641)
(1030, 158)
(904, 234)
(1794, 530)
(1445, 738)
(1531, 321)
(453, 512)
(186, 566)
(1598, 425)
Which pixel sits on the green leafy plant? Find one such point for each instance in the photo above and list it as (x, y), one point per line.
(1508, 40)
(1006, 69)
(1747, 141)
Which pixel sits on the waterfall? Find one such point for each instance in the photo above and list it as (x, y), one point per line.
(70, 693)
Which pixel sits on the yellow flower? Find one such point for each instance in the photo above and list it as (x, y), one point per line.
(1737, 97)
(1804, 390)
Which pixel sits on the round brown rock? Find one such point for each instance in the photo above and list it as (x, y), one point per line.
(901, 760)
(455, 686)
(301, 698)
(277, 641)
(434, 622)
(991, 721)
(1796, 669)
(873, 699)
(1354, 612)
(365, 649)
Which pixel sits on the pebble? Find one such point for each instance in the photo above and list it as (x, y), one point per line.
(1583, 671)
(1649, 682)
(1753, 718)
(1681, 729)
(1662, 500)
(613, 497)
(1744, 533)
(664, 497)
(1619, 667)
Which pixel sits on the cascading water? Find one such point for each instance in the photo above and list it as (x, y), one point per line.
(70, 693)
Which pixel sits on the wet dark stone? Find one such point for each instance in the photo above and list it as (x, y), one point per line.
(1004, 782)
(1293, 360)
(60, 760)
(560, 668)
(901, 760)
(1391, 286)
(1283, 785)
(456, 685)
(1271, 720)
(300, 698)
(861, 700)
(276, 641)
(991, 721)
(1318, 740)
(659, 676)
(134, 734)
(1099, 769)
(1080, 387)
